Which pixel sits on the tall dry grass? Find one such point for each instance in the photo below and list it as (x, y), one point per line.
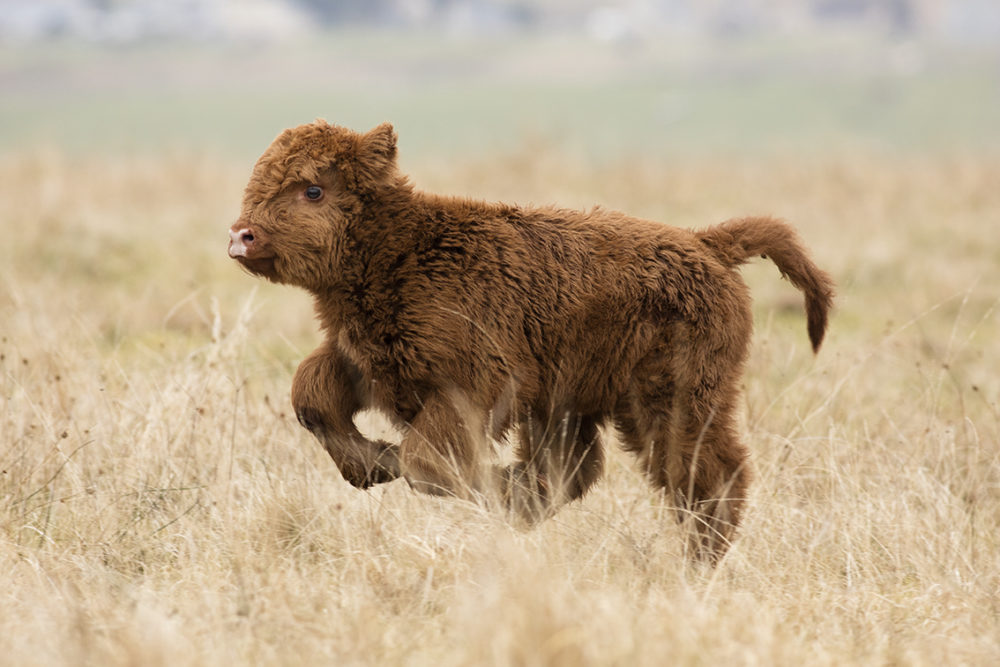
(160, 505)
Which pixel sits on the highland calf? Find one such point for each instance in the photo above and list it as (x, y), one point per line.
(465, 322)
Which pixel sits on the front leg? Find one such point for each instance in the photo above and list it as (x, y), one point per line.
(440, 452)
(326, 394)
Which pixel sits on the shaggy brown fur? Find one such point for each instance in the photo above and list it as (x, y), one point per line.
(464, 321)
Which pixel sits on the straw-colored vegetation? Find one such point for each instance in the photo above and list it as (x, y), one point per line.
(159, 504)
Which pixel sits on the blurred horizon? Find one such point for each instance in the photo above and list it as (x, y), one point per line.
(664, 78)
(130, 21)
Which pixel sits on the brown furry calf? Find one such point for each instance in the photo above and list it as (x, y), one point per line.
(463, 321)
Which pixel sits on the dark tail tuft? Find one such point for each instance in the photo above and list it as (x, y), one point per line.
(736, 241)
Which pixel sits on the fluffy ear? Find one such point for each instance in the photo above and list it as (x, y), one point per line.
(376, 156)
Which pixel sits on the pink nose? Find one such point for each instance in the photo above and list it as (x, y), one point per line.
(240, 241)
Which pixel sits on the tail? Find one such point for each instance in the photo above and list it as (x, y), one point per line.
(735, 241)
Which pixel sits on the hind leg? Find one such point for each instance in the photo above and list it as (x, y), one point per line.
(687, 445)
(560, 459)
(708, 476)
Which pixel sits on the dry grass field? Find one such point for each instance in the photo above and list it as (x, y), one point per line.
(159, 504)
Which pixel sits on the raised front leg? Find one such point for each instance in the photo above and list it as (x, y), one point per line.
(326, 394)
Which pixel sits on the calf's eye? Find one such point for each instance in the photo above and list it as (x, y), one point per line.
(314, 193)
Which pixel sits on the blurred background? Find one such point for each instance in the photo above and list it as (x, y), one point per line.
(462, 78)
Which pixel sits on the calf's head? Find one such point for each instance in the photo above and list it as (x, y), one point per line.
(309, 185)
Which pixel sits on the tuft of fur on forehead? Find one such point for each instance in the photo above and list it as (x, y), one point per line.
(300, 154)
